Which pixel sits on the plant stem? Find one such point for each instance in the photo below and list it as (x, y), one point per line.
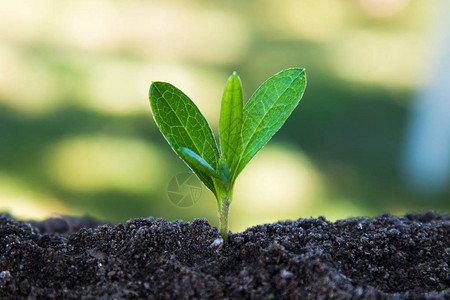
(223, 216)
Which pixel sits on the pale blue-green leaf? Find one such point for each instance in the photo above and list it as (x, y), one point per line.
(195, 160)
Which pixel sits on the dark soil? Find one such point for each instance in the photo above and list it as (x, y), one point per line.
(386, 257)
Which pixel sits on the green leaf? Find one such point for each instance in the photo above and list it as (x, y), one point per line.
(230, 123)
(268, 109)
(195, 160)
(183, 125)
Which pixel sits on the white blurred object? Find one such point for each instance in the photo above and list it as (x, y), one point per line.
(427, 152)
(383, 8)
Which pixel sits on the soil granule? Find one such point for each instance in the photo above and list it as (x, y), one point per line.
(386, 257)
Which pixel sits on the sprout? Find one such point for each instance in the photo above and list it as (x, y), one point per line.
(243, 131)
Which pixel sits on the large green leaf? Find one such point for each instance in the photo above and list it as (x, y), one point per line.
(183, 125)
(230, 123)
(268, 109)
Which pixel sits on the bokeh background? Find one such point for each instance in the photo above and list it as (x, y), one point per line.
(77, 135)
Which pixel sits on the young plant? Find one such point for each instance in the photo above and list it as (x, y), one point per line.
(243, 131)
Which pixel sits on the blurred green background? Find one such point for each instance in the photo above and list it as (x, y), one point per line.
(77, 135)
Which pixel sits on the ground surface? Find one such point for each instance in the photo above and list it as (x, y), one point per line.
(381, 258)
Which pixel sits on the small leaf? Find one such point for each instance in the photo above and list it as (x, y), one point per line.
(230, 123)
(195, 160)
(268, 109)
(183, 125)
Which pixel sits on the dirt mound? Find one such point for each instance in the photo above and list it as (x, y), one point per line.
(386, 257)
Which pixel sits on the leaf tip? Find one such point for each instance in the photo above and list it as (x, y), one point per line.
(234, 76)
(152, 85)
(150, 89)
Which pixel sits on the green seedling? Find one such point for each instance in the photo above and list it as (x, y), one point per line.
(243, 131)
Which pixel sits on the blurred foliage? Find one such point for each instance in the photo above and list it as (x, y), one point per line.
(77, 136)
